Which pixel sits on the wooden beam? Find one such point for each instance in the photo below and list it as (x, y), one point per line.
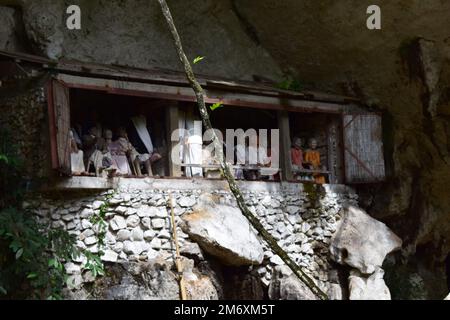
(171, 92)
(285, 145)
(172, 118)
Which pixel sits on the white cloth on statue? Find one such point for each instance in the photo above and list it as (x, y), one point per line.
(77, 163)
(252, 156)
(240, 160)
(140, 123)
(193, 152)
(97, 159)
(182, 127)
(76, 137)
(122, 165)
(193, 155)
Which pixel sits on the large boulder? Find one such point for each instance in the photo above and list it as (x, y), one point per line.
(285, 285)
(371, 287)
(362, 242)
(223, 232)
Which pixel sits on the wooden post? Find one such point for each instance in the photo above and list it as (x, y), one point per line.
(285, 145)
(172, 117)
(179, 265)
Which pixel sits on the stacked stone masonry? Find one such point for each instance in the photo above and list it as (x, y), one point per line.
(302, 219)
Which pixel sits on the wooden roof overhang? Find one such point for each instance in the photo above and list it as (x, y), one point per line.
(173, 85)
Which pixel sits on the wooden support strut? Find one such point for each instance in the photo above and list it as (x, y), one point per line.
(183, 295)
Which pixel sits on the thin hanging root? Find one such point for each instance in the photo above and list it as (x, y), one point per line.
(200, 95)
(183, 295)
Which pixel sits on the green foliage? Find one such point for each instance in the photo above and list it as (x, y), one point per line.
(290, 84)
(216, 106)
(198, 59)
(10, 171)
(94, 263)
(313, 192)
(31, 257)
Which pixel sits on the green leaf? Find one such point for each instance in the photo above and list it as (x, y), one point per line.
(216, 106)
(198, 59)
(19, 253)
(32, 275)
(4, 158)
(52, 263)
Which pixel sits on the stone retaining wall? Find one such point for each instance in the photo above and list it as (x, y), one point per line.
(301, 217)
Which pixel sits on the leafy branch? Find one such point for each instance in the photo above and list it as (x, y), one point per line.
(200, 95)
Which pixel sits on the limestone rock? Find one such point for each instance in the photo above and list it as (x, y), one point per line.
(200, 287)
(158, 223)
(370, 287)
(146, 223)
(91, 240)
(276, 260)
(362, 242)
(118, 223)
(159, 282)
(118, 247)
(86, 213)
(133, 221)
(156, 243)
(85, 224)
(146, 211)
(74, 281)
(135, 247)
(335, 292)
(286, 286)
(124, 235)
(223, 232)
(149, 234)
(187, 202)
(137, 234)
(110, 256)
(193, 251)
(72, 268)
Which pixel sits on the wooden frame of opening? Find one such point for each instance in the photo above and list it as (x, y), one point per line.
(176, 94)
(172, 85)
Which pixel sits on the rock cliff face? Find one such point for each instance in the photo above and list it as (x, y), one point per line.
(135, 33)
(402, 71)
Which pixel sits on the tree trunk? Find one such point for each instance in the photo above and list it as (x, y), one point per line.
(200, 95)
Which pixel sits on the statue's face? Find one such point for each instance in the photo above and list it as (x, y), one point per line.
(108, 134)
(313, 143)
(122, 133)
(93, 131)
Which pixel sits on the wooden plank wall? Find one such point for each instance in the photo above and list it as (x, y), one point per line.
(61, 105)
(364, 158)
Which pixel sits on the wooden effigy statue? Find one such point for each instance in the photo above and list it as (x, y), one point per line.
(312, 160)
